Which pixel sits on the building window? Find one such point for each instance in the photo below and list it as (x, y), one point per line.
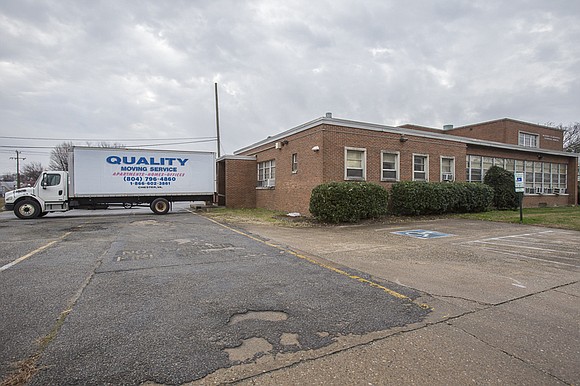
(420, 167)
(447, 168)
(529, 171)
(390, 166)
(474, 169)
(528, 140)
(355, 164)
(563, 178)
(540, 177)
(294, 163)
(267, 174)
(509, 165)
(499, 162)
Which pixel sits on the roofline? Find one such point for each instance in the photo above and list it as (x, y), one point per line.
(400, 130)
(237, 157)
(505, 119)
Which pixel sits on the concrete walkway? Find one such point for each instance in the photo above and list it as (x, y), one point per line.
(505, 302)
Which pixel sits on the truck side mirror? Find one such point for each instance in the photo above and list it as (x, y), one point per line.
(44, 182)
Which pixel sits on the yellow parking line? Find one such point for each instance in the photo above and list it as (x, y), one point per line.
(22, 258)
(313, 261)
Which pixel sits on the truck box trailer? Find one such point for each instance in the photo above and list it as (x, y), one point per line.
(100, 177)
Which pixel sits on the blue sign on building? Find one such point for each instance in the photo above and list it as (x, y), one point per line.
(422, 234)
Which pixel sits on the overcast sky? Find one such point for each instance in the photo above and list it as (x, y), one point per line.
(143, 72)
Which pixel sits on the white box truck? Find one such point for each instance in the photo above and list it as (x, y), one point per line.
(101, 177)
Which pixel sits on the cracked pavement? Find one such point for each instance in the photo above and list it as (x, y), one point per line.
(505, 301)
(127, 297)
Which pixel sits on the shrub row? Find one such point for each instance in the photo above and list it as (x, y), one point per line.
(336, 202)
(421, 198)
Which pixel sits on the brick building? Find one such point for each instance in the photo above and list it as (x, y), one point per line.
(280, 171)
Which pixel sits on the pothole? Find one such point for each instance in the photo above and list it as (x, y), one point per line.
(269, 316)
(288, 339)
(249, 349)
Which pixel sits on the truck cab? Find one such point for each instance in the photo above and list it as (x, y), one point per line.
(49, 194)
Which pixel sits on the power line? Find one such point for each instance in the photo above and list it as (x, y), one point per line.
(174, 143)
(105, 140)
(145, 145)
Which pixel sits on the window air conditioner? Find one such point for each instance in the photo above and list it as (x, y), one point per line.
(447, 177)
(269, 183)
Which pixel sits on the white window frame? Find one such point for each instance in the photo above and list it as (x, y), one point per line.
(364, 164)
(294, 163)
(525, 134)
(441, 167)
(397, 166)
(426, 171)
(269, 174)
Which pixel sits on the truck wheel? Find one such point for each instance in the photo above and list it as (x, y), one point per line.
(160, 206)
(27, 209)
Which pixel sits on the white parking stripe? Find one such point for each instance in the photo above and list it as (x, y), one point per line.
(523, 246)
(22, 258)
(530, 257)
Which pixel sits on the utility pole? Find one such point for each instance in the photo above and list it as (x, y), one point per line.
(217, 121)
(17, 158)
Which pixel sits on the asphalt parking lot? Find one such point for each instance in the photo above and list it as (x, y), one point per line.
(130, 297)
(126, 297)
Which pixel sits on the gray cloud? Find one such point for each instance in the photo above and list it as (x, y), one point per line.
(115, 70)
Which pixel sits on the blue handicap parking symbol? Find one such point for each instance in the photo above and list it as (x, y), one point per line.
(422, 234)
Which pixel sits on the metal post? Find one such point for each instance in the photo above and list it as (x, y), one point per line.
(217, 120)
(17, 158)
(521, 195)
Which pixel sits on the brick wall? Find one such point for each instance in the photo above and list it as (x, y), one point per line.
(239, 182)
(337, 138)
(292, 190)
(507, 131)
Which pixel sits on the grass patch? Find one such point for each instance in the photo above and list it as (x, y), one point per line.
(254, 216)
(558, 217)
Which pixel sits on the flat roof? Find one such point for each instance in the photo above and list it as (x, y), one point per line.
(399, 130)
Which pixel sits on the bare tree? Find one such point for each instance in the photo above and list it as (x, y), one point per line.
(571, 136)
(106, 144)
(31, 171)
(59, 156)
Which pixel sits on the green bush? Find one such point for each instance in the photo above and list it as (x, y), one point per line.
(421, 198)
(337, 202)
(502, 182)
